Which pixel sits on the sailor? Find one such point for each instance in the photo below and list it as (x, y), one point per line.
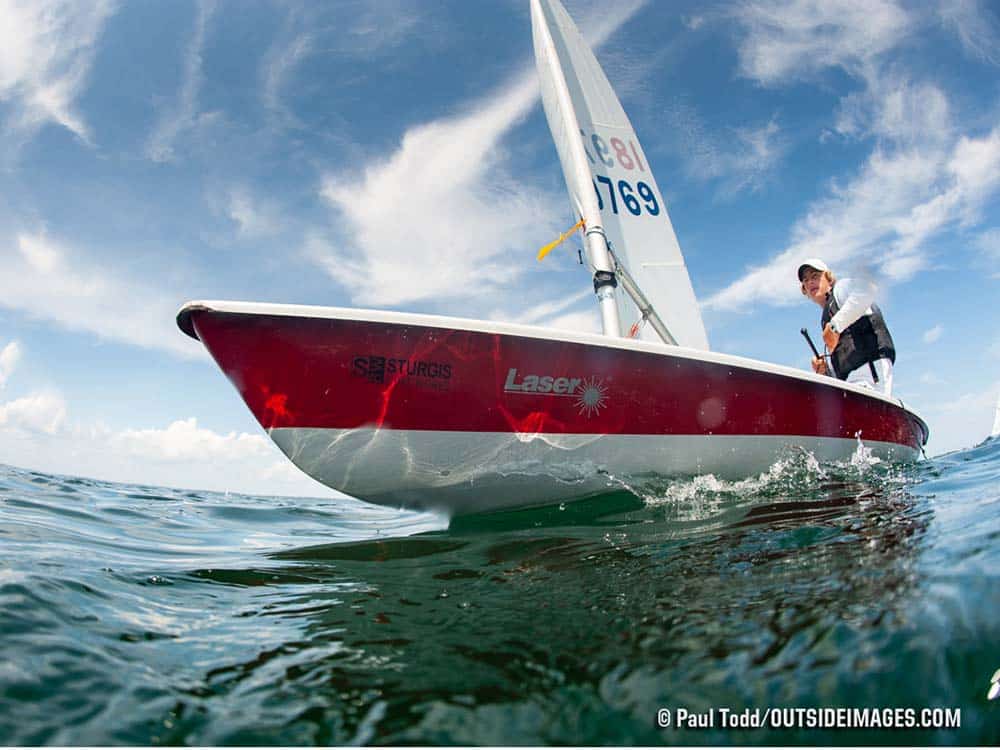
(854, 331)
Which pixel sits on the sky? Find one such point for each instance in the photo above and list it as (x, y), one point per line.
(393, 154)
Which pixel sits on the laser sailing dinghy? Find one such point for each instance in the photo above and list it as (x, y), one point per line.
(464, 416)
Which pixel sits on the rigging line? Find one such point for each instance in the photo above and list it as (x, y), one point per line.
(562, 238)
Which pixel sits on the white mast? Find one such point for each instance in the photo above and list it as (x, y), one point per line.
(604, 164)
(565, 129)
(995, 432)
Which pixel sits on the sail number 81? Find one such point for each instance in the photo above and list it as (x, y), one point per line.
(627, 194)
(624, 154)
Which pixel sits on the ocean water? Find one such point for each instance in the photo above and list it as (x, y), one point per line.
(144, 615)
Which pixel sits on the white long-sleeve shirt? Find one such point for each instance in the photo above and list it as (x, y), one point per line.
(855, 298)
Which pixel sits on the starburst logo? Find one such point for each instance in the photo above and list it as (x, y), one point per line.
(592, 397)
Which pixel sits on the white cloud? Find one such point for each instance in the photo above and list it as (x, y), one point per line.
(365, 29)
(557, 313)
(588, 321)
(894, 108)
(544, 311)
(747, 160)
(43, 412)
(183, 113)
(988, 243)
(9, 357)
(285, 471)
(694, 22)
(183, 440)
(376, 26)
(933, 334)
(48, 281)
(796, 39)
(446, 195)
(35, 432)
(37, 425)
(975, 26)
(962, 421)
(788, 40)
(252, 216)
(921, 177)
(740, 158)
(976, 166)
(279, 64)
(41, 255)
(46, 50)
(883, 217)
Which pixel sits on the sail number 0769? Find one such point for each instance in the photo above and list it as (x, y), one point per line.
(627, 194)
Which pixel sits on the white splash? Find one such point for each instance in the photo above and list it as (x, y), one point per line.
(703, 496)
(863, 458)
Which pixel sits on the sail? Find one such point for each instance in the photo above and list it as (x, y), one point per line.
(612, 167)
(996, 421)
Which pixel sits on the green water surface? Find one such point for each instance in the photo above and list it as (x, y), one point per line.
(133, 615)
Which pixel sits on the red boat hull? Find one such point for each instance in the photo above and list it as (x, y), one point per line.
(331, 384)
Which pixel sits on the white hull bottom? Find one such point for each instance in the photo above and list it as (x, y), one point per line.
(474, 472)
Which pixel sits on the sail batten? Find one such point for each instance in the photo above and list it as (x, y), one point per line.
(598, 136)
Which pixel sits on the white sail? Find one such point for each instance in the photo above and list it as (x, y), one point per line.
(995, 432)
(615, 171)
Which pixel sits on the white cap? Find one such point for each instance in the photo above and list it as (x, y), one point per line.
(812, 263)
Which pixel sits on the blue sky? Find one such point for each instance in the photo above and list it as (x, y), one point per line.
(394, 154)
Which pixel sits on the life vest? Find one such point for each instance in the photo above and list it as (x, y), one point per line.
(867, 339)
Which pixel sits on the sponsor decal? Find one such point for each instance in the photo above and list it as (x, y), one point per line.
(590, 394)
(593, 396)
(377, 369)
(541, 384)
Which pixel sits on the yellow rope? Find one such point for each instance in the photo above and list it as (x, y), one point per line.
(562, 238)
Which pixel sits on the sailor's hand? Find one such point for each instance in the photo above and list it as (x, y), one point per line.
(819, 365)
(830, 337)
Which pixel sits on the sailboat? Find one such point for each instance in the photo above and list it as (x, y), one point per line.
(995, 432)
(465, 416)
